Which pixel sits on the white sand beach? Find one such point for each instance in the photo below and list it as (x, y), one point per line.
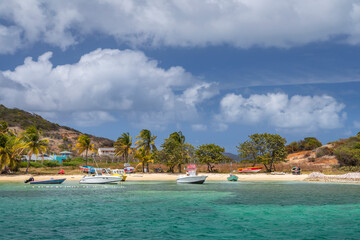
(165, 177)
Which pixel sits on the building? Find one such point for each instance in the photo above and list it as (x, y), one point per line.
(106, 152)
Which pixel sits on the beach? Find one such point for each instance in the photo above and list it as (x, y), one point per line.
(165, 177)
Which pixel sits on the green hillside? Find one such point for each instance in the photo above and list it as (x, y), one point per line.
(19, 118)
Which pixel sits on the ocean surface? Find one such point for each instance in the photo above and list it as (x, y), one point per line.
(166, 210)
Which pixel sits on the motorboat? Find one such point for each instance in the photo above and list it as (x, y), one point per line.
(119, 172)
(249, 170)
(191, 177)
(47, 181)
(100, 178)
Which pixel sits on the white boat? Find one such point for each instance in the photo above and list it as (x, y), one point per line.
(191, 177)
(100, 178)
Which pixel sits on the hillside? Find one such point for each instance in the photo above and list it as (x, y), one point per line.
(60, 137)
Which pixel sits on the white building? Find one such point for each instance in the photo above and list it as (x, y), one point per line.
(106, 152)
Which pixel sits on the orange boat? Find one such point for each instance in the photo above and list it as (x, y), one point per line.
(249, 170)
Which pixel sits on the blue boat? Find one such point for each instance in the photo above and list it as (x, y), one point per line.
(49, 181)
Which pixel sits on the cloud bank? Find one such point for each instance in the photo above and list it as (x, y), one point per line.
(240, 23)
(105, 83)
(296, 113)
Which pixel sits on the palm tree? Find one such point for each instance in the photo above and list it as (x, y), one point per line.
(180, 139)
(178, 136)
(10, 151)
(146, 142)
(33, 144)
(123, 146)
(143, 157)
(4, 128)
(84, 145)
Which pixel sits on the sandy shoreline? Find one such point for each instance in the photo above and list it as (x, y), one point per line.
(166, 177)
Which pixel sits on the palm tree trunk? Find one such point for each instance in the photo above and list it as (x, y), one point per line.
(28, 164)
(143, 166)
(86, 152)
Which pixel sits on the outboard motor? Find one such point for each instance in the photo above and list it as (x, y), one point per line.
(29, 180)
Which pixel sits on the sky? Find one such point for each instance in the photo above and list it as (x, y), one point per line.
(218, 71)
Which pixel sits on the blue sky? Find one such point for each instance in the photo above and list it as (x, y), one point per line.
(216, 70)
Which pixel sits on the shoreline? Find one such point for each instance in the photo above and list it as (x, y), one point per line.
(164, 177)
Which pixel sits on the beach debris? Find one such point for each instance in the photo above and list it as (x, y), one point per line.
(348, 177)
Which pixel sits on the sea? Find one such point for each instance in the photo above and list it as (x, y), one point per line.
(166, 210)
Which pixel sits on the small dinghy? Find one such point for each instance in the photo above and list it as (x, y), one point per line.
(232, 178)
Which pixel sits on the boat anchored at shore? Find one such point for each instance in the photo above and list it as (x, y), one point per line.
(249, 170)
(191, 177)
(100, 178)
(47, 181)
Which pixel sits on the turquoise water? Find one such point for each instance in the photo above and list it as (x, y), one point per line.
(165, 210)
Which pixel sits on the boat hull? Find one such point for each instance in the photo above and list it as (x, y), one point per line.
(191, 179)
(100, 179)
(250, 170)
(50, 181)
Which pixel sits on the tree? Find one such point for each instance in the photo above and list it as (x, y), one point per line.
(143, 157)
(4, 128)
(84, 145)
(309, 143)
(175, 151)
(292, 147)
(33, 144)
(146, 142)
(248, 151)
(348, 153)
(266, 148)
(123, 146)
(209, 154)
(183, 148)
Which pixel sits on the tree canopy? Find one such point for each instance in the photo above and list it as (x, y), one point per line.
(308, 143)
(264, 148)
(210, 154)
(33, 144)
(84, 145)
(123, 146)
(175, 151)
(348, 153)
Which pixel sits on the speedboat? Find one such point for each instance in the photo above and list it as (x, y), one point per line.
(100, 178)
(191, 177)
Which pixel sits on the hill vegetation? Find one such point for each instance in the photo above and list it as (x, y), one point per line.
(60, 137)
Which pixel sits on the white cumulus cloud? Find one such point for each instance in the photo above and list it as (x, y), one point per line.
(199, 127)
(240, 23)
(306, 113)
(104, 82)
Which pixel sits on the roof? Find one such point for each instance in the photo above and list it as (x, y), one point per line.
(65, 152)
(106, 149)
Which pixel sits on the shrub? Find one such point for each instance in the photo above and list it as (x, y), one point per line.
(309, 143)
(74, 162)
(320, 152)
(32, 164)
(350, 168)
(48, 163)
